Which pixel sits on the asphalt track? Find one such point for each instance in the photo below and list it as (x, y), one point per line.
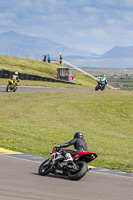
(23, 89)
(19, 177)
(19, 180)
(31, 89)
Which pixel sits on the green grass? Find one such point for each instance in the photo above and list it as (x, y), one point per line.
(28, 66)
(34, 123)
(126, 88)
(40, 69)
(127, 83)
(124, 81)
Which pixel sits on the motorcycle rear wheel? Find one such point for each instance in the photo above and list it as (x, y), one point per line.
(44, 168)
(15, 89)
(102, 88)
(80, 173)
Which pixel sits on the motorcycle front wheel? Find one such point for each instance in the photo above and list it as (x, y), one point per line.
(97, 87)
(8, 88)
(80, 172)
(44, 168)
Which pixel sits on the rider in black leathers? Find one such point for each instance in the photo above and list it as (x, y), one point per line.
(79, 145)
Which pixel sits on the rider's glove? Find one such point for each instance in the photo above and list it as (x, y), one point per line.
(57, 148)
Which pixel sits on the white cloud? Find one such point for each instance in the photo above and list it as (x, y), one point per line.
(7, 15)
(43, 17)
(6, 21)
(128, 3)
(108, 2)
(129, 32)
(91, 9)
(98, 33)
(128, 16)
(113, 22)
(120, 4)
(82, 33)
(73, 22)
(52, 1)
(129, 19)
(26, 3)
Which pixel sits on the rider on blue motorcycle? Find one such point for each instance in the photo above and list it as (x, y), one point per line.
(103, 81)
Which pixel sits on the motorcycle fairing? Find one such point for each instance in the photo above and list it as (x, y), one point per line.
(88, 156)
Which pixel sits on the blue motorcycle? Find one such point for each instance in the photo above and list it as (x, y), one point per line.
(100, 86)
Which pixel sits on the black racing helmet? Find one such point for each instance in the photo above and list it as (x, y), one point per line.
(78, 135)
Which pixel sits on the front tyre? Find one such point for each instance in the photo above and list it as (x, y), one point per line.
(44, 168)
(97, 87)
(81, 171)
(8, 88)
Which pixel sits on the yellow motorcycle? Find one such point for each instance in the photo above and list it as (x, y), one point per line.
(12, 85)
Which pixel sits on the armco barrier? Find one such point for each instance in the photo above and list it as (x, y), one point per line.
(1, 74)
(21, 76)
(5, 74)
(31, 77)
(8, 74)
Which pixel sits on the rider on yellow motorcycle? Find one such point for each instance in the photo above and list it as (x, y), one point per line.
(13, 83)
(15, 78)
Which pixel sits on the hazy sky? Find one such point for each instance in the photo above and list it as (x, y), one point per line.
(92, 25)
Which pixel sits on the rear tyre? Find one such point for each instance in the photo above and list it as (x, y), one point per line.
(44, 168)
(102, 87)
(15, 89)
(82, 169)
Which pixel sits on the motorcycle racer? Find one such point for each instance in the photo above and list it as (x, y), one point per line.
(103, 80)
(15, 78)
(74, 169)
(79, 145)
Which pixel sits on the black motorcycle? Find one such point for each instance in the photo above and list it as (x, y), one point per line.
(100, 86)
(74, 170)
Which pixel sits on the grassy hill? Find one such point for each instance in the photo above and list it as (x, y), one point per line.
(41, 69)
(34, 123)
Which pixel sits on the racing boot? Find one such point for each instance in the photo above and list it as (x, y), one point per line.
(68, 158)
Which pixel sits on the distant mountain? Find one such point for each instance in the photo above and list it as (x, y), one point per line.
(122, 63)
(80, 57)
(117, 57)
(20, 44)
(119, 52)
